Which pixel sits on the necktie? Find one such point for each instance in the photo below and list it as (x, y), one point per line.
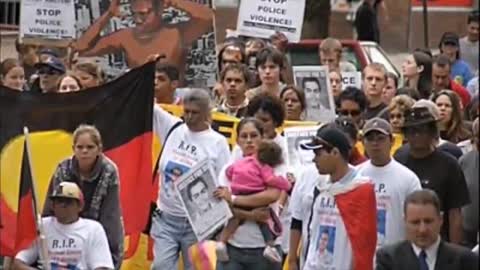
(423, 260)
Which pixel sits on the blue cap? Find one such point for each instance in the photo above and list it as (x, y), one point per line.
(52, 62)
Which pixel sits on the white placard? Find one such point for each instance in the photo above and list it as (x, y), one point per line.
(315, 82)
(262, 18)
(47, 19)
(205, 213)
(294, 137)
(351, 79)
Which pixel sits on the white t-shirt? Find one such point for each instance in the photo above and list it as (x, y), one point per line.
(285, 217)
(302, 199)
(80, 245)
(393, 182)
(327, 231)
(183, 150)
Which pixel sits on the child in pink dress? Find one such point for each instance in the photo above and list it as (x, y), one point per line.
(250, 175)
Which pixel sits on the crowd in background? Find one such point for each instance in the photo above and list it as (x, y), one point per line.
(417, 131)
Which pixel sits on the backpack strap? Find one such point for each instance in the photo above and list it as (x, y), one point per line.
(316, 192)
(170, 131)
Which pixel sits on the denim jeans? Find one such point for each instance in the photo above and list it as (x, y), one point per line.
(171, 234)
(247, 259)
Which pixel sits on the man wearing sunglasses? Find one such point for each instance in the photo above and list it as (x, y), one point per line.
(393, 181)
(72, 242)
(49, 72)
(436, 169)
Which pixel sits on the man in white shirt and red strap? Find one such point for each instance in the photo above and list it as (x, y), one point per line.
(344, 207)
(72, 242)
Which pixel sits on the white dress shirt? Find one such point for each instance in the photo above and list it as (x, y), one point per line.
(431, 252)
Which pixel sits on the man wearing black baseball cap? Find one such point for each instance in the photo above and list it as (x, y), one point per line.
(450, 47)
(49, 71)
(436, 169)
(343, 205)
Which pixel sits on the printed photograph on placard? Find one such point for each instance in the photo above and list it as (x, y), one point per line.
(122, 34)
(325, 246)
(205, 213)
(315, 82)
(294, 137)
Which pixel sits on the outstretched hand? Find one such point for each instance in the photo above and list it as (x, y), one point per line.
(223, 193)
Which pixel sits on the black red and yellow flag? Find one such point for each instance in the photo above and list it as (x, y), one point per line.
(122, 111)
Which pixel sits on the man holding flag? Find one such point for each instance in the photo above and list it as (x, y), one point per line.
(344, 207)
(72, 242)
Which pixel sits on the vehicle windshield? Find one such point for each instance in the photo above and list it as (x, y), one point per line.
(309, 57)
(377, 55)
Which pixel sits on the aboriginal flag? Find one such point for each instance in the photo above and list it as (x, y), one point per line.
(121, 110)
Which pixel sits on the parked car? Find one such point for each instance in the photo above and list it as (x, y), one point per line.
(359, 53)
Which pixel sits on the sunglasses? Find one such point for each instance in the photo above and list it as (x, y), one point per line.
(422, 130)
(349, 112)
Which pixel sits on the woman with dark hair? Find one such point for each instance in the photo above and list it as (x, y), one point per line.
(417, 72)
(452, 127)
(450, 46)
(245, 248)
(293, 100)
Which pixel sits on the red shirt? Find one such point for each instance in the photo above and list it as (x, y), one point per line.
(461, 92)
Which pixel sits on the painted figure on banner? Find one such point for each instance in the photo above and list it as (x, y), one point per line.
(129, 31)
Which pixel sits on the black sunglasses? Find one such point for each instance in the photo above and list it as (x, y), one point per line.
(349, 112)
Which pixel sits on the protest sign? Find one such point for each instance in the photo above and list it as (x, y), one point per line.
(262, 18)
(47, 19)
(195, 189)
(351, 79)
(315, 83)
(294, 137)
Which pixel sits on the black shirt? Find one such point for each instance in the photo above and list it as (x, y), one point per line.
(366, 23)
(441, 173)
(378, 111)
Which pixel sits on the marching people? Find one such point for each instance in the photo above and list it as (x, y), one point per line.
(424, 248)
(166, 82)
(294, 102)
(436, 169)
(69, 83)
(185, 143)
(343, 207)
(245, 249)
(397, 108)
(441, 79)
(72, 242)
(451, 124)
(270, 63)
(374, 81)
(89, 74)
(417, 72)
(12, 74)
(393, 181)
(234, 80)
(97, 177)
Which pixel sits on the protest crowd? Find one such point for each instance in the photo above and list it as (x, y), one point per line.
(386, 179)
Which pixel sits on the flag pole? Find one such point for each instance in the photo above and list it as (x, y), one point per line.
(42, 241)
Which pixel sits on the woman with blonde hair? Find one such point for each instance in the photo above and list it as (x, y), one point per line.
(97, 177)
(397, 108)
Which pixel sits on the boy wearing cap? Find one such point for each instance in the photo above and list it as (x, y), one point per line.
(343, 206)
(49, 71)
(393, 181)
(450, 47)
(436, 170)
(72, 242)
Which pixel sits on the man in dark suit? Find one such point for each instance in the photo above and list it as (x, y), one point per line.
(424, 249)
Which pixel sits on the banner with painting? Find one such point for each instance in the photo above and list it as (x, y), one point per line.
(122, 34)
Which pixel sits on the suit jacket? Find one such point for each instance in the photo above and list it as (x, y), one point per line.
(401, 256)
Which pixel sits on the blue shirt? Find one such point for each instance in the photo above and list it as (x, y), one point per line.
(461, 72)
